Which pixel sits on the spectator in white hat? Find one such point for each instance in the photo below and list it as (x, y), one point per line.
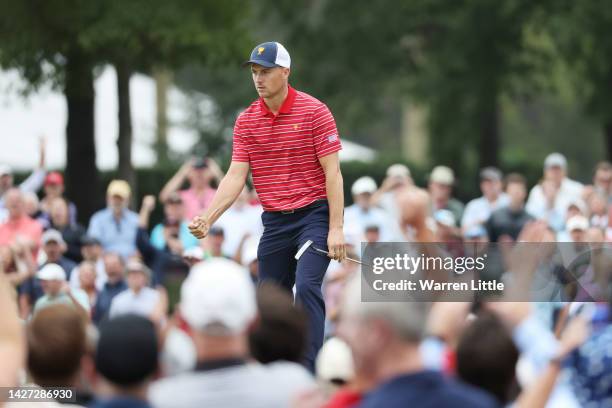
(218, 304)
(57, 290)
(556, 191)
(440, 188)
(363, 214)
(54, 247)
(335, 370)
(139, 298)
(577, 227)
(479, 209)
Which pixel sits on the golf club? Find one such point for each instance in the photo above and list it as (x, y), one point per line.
(309, 243)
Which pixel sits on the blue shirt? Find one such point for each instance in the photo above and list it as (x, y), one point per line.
(426, 389)
(105, 298)
(115, 235)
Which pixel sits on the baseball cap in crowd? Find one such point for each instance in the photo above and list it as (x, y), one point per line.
(445, 217)
(52, 235)
(335, 362)
(196, 253)
(126, 353)
(51, 271)
(270, 54)
(577, 222)
(89, 240)
(5, 170)
(218, 297)
(398, 170)
(119, 188)
(555, 160)
(363, 185)
(491, 173)
(54, 179)
(199, 163)
(442, 175)
(134, 265)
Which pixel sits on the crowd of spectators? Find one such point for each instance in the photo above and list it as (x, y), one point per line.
(89, 306)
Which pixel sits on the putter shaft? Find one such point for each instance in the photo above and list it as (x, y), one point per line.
(347, 258)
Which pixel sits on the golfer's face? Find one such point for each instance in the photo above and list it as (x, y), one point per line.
(269, 81)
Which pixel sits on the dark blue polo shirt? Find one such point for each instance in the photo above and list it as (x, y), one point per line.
(426, 389)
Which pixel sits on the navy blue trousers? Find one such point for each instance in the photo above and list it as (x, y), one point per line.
(283, 236)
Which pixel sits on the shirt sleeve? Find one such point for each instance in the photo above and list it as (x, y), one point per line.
(34, 181)
(95, 228)
(324, 133)
(239, 151)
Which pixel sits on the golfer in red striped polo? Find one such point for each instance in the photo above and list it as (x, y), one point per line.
(290, 142)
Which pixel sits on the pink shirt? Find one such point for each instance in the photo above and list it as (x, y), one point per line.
(25, 227)
(196, 204)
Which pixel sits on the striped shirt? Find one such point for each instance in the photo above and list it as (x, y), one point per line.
(283, 151)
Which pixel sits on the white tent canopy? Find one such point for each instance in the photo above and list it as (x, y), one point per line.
(25, 120)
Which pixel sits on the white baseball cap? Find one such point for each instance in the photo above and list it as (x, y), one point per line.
(52, 235)
(363, 185)
(555, 160)
(218, 297)
(398, 170)
(442, 175)
(577, 222)
(195, 252)
(335, 361)
(51, 271)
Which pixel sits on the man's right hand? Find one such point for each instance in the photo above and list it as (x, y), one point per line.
(199, 227)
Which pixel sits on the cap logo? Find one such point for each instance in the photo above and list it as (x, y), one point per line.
(260, 50)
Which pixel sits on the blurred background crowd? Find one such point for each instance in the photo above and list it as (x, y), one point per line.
(119, 276)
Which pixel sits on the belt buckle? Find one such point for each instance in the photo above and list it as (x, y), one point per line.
(287, 211)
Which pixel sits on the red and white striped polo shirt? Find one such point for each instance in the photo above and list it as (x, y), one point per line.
(283, 151)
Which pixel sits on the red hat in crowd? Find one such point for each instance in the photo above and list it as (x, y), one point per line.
(54, 178)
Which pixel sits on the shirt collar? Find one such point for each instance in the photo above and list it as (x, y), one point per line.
(219, 363)
(285, 107)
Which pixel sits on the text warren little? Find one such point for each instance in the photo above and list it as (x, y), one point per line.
(432, 285)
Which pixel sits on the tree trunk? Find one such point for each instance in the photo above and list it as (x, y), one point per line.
(608, 136)
(124, 141)
(82, 182)
(489, 145)
(163, 79)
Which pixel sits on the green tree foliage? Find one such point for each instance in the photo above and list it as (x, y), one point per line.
(63, 40)
(458, 58)
(581, 30)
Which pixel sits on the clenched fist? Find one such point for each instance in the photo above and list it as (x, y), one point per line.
(199, 227)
